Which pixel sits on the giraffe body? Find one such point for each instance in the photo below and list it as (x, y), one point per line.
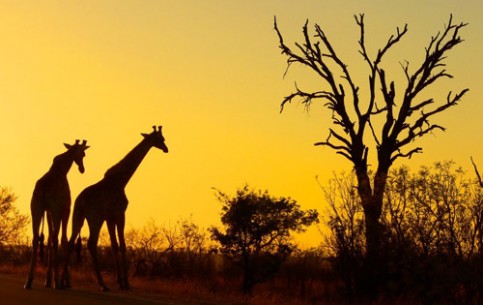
(51, 195)
(106, 201)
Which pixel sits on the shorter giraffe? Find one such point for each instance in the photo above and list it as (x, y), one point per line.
(106, 201)
(52, 195)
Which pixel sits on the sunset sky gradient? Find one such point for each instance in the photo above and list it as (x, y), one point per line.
(211, 73)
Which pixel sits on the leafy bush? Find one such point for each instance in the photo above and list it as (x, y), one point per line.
(432, 222)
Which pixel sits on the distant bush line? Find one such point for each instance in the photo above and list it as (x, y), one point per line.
(432, 221)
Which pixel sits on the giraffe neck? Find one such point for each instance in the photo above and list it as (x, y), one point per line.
(61, 164)
(121, 173)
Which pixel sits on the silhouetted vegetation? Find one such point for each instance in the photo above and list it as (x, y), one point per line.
(177, 251)
(390, 119)
(12, 222)
(433, 222)
(257, 232)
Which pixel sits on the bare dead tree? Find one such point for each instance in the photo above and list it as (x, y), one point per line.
(406, 116)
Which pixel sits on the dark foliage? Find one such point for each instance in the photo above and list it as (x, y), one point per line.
(257, 231)
(12, 222)
(432, 238)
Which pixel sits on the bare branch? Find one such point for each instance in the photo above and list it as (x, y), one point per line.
(312, 56)
(438, 46)
(341, 138)
(374, 135)
(344, 150)
(306, 98)
(306, 50)
(332, 54)
(377, 110)
(421, 105)
(360, 22)
(427, 74)
(392, 41)
(476, 171)
(389, 95)
(450, 102)
(408, 154)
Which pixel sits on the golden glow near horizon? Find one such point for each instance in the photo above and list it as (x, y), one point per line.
(211, 73)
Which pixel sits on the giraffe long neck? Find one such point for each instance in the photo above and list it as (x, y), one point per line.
(61, 164)
(121, 173)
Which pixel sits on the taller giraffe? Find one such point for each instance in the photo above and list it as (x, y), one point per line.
(106, 201)
(52, 195)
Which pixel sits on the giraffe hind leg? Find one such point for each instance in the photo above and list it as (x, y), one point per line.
(92, 246)
(124, 283)
(36, 218)
(30, 278)
(77, 223)
(55, 252)
(50, 253)
(111, 226)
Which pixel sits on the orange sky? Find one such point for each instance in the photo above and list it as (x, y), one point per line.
(211, 73)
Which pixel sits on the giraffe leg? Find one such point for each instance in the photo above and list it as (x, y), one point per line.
(77, 223)
(51, 251)
(92, 246)
(111, 227)
(65, 278)
(65, 221)
(59, 280)
(36, 217)
(122, 244)
(55, 251)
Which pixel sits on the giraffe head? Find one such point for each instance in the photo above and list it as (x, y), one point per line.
(78, 153)
(156, 138)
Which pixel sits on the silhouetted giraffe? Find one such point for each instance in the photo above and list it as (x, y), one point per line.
(52, 195)
(106, 201)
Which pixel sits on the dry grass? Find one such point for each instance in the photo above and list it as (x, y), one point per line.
(213, 291)
(194, 291)
(186, 291)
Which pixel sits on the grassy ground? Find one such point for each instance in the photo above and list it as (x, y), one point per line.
(213, 292)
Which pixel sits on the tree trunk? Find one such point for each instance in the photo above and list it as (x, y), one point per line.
(373, 231)
(372, 200)
(248, 279)
(374, 263)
